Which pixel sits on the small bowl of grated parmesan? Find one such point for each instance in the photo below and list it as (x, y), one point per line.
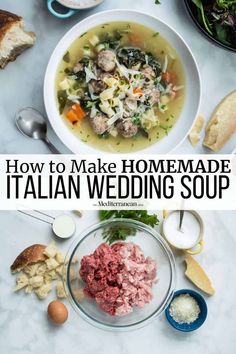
(187, 310)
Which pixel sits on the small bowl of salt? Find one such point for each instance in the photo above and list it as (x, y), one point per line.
(187, 310)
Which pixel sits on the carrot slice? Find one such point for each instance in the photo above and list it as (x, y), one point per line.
(170, 77)
(166, 76)
(72, 116)
(138, 90)
(79, 111)
(75, 113)
(134, 38)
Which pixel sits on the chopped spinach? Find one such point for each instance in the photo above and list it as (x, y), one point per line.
(160, 86)
(76, 86)
(111, 40)
(130, 56)
(143, 132)
(104, 135)
(62, 100)
(85, 61)
(68, 71)
(154, 63)
(90, 104)
(163, 106)
(80, 76)
(66, 57)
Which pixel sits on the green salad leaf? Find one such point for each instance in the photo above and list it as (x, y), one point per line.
(198, 3)
(201, 15)
(218, 17)
(222, 33)
(226, 4)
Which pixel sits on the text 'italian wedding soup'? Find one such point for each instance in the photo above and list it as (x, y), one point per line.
(120, 87)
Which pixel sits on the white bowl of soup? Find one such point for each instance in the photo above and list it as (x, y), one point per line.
(122, 81)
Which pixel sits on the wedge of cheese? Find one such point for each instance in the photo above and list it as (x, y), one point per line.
(222, 124)
(196, 274)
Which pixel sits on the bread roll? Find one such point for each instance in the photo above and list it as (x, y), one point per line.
(13, 39)
(32, 254)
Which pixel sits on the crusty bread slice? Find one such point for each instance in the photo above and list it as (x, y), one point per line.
(30, 255)
(13, 39)
(197, 275)
(222, 124)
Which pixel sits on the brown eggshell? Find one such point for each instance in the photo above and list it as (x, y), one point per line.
(57, 312)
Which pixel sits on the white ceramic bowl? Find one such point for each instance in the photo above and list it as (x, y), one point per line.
(80, 4)
(193, 85)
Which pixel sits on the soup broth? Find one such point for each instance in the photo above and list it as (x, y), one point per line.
(148, 41)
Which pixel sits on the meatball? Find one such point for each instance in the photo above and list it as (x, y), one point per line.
(78, 67)
(103, 76)
(154, 96)
(106, 60)
(98, 85)
(99, 123)
(127, 128)
(148, 72)
(130, 105)
(152, 93)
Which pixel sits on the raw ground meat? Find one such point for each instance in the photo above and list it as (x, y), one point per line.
(118, 277)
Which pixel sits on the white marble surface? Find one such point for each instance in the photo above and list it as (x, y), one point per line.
(21, 82)
(24, 328)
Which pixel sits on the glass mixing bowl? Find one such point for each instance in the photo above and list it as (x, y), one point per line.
(152, 244)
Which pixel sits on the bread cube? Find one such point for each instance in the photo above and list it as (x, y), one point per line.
(21, 282)
(60, 290)
(51, 264)
(60, 258)
(43, 291)
(36, 281)
(51, 250)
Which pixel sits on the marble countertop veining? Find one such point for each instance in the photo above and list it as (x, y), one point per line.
(23, 80)
(24, 328)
